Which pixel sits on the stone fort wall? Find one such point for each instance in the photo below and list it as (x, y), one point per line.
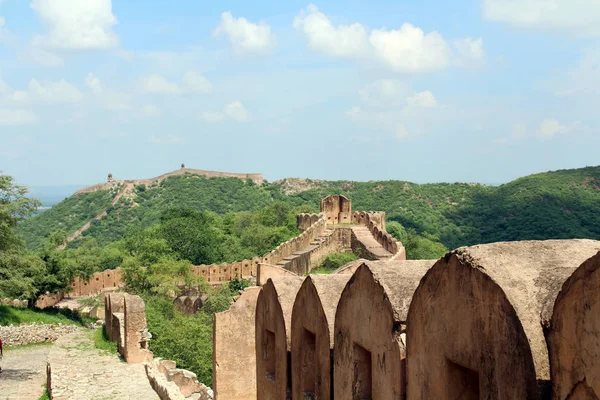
(213, 273)
(255, 177)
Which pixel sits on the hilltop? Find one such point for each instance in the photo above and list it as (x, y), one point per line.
(557, 204)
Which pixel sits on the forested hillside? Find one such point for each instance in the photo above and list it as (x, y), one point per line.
(560, 204)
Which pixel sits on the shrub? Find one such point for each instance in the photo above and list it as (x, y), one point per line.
(333, 261)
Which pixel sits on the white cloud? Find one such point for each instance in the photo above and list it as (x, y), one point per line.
(245, 36)
(17, 117)
(233, 111)
(150, 110)
(159, 85)
(547, 129)
(391, 106)
(47, 92)
(401, 133)
(518, 133)
(408, 49)
(2, 22)
(578, 16)
(192, 82)
(384, 93)
(344, 40)
(41, 57)
(551, 127)
(93, 83)
(110, 100)
(582, 79)
(76, 25)
(3, 86)
(423, 99)
(470, 50)
(392, 93)
(236, 111)
(354, 112)
(166, 140)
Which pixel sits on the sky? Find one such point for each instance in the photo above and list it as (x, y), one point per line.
(425, 91)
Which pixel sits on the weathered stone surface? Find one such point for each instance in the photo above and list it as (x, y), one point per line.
(474, 324)
(369, 351)
(49, 300)
(171, 383)
(118, 330)
(136, 345)
(313, 318)
(574, 335)
(337, 209)
(268, 271)
(113, 303)
(273, 341)
(234, 351)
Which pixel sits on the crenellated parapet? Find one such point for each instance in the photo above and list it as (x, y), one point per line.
(299, 254)
(305, 220)
(375, 221)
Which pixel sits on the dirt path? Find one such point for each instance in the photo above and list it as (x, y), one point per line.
(24, 372)
(82, 372)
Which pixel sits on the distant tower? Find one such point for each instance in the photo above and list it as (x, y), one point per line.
(110, 177)
(182, 166)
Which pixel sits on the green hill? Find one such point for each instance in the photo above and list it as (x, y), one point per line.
(559, 204)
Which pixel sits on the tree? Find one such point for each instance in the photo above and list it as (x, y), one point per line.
(14, 207)
(425, 247)
(23, 275)
(193, 235)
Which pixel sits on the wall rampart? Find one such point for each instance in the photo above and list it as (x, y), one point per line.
(214, 273)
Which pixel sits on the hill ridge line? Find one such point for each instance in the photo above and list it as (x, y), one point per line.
(129, 185)
(255, 177)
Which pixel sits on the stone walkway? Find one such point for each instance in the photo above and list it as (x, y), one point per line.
(82, 372)
(24, 372)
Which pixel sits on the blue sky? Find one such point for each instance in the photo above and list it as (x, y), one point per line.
(426, 91)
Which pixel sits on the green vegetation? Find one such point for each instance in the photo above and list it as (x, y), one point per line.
(101, 341)
(17, 316)
(333, 261)
(159, 231)
(68, 215)
(45, 395)
(193, 192)
(426, 247)
(559, 204)
(187, 340)
(23, 274)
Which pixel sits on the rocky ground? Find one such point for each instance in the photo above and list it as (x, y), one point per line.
(33, 333)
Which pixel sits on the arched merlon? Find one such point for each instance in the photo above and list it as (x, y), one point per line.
(234, 350)
(313, 318)
(273, 336)
(369, 321)
(574, 334)
(474, 322)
